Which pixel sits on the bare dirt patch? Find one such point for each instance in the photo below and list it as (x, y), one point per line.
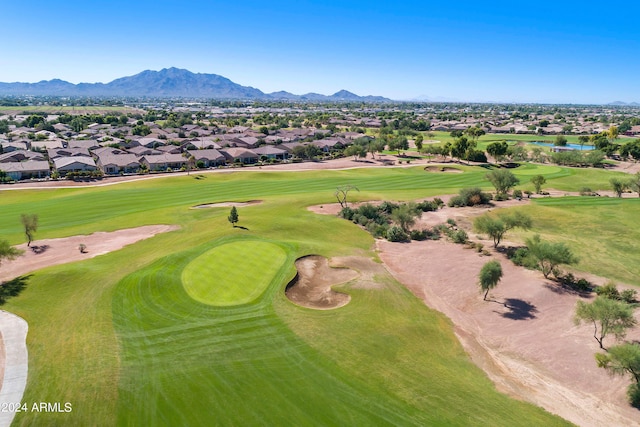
(47, 252)
(312, 286)
(227, 204)
(523, 336)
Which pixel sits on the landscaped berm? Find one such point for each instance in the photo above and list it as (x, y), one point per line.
(193, 327)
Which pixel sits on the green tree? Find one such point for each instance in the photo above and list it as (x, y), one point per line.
(474, 132)
(607, 316)
(560, 141)
(460, 147)
(498, 150)
(30, 223)
(8, 252)
(405, 216)
(634, 183)
(503, 180)
(618, 186)
(549, 255)
(355, 151)
(621, 360)
(489, 276)
(582, 140)
(496, 227)
(233, 216)
(538, 181)
(418, 142)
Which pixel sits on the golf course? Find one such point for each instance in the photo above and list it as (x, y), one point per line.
(193, 327)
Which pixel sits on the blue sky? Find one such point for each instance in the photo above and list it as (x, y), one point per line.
(561, 51)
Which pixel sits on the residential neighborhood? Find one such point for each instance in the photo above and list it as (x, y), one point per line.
(168, 137)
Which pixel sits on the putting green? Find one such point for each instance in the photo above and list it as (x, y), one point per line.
(234, 273)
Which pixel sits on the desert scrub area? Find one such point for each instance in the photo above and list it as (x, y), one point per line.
(122, 338)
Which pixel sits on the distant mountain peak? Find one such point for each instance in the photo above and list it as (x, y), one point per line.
(168, 82)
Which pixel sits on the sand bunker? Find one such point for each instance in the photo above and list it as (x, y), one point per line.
(47, 252)
(312, 286)
(227, 204)
(436, 168)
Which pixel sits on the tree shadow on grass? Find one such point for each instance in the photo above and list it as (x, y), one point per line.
(519, 309)
(13, 287)
(241, 227)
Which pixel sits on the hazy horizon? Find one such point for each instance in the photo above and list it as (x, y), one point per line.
(468, 51)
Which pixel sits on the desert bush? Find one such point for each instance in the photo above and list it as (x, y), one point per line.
(501, 197)
(470, 197)
(609, 290)
(418, 234)
(427, 206)
(387, 207)
(396, 234)
(633, 394)
(629, 296)
(523, 258)
(347, 213)
(517, 194)
(459, 236)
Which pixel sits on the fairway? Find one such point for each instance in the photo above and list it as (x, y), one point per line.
(231, 274)
(130, 337)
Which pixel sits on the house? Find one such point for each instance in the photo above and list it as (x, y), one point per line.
(51, 143)
(141, 150)
(65, 165)
(271, 152)
(113, 164)
(210, 157)
(88, 144)
(288, 146)
(26, 170)
(201, 144)
(172, 149)
(13, 146)
(54, 153)
(164, 161)
(150, 142)
(240, 155)
(20, 156)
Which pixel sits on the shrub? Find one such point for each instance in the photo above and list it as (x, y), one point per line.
(451, 222)
(387, 207)
(476, 156)
(470, 197)
(609, 290)
(396, 234)
(633, 393)
(517, 194)
(418, 234)
(378, 231)
(586, 191)
(523, 258)
(347, 213)
(459, 236)
(501, 197)
(427, 206)
(628, 296)
(438, 201)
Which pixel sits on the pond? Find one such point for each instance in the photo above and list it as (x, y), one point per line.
(570, 146)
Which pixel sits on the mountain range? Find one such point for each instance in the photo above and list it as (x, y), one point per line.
(171, 83)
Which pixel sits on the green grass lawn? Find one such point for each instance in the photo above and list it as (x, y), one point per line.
(120, 337)
(602, 231)
(232, 274)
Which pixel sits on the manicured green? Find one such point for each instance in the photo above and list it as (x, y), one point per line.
(120, 338)
(232, 274)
